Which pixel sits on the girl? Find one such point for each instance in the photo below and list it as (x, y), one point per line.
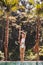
(22, 46)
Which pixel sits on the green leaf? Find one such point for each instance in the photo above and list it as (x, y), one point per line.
(1, 12)
(14, 8)
(31, 1)
(11, 2)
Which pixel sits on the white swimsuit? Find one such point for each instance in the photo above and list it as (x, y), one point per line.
(23, 43)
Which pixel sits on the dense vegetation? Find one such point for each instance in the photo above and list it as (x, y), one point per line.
(32, 10)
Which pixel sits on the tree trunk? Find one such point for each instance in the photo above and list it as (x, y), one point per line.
(6, 39)
(36, 47)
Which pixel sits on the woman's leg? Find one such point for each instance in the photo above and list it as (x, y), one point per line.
(22, 53)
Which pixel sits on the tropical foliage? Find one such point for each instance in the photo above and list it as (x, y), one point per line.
(32, 6)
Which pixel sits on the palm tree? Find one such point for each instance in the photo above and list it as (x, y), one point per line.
(6, 6)
(38, 11)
